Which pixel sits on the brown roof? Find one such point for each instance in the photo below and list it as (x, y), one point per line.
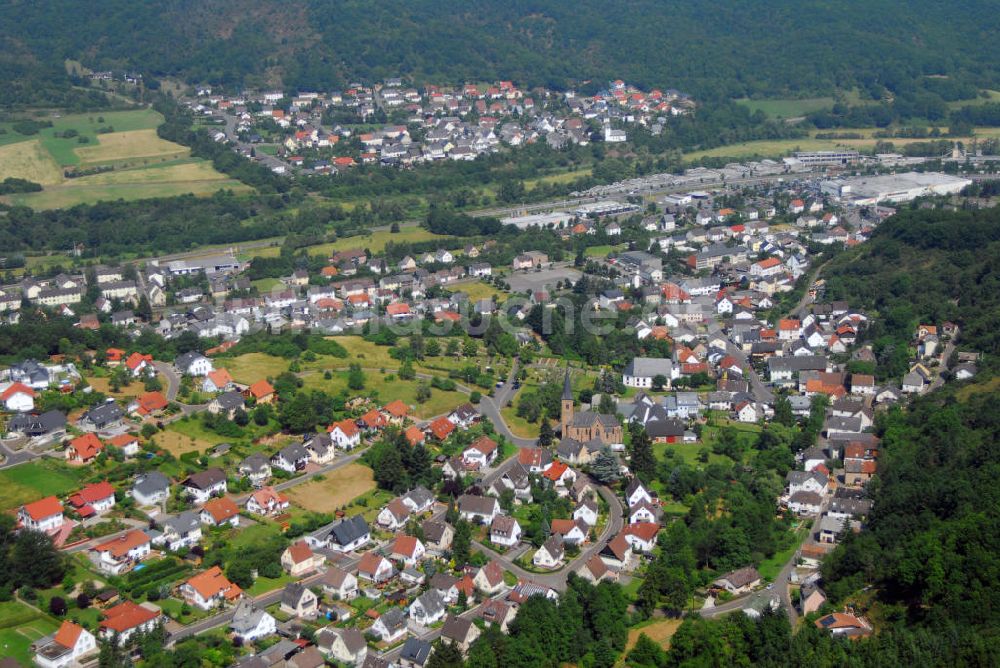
(221, 509)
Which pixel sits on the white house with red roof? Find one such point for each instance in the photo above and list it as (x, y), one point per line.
(483, 451)
(138, 364)
(766, 268)
(43, 515)
(267, 501)
(94, 499)
(641, 536)
(121, 554)
(128, 618)
(84, 449)
(65, 647)
(345, 434)
(209, 589)
(18, 397)
(407, 550)
(298, 559)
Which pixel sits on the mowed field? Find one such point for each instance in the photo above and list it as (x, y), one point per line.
(31, 481)
(141, 164)
(19, 627)
(29, 160)
(335, 490)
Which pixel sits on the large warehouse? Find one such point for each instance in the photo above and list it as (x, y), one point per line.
(868, 190)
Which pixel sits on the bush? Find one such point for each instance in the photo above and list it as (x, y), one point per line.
(57, 606)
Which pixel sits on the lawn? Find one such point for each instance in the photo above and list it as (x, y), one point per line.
(180, 171)
(337, 489)
(264, 285)
(561, 177)
(251, 367)
(602, 251)
(187, 436)
(688, 452)
(31, 481)
(769, 568)
(19, 627)
(263, 585)
(29, 160)
(386, 388)
(659, 631)
(478, 290)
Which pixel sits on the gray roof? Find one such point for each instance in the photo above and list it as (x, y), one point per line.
(35, 425)
(205, 479)
(456, 628)
(230, 400)
(255, 463)
(183, 362)
(184, 522)
(554, 546)
(151, 483)
(394, 619)
(246, 617)
(802, 363)
(431, 602)
(348, 530)
(292, 594)
(648, 367)
(416, 651)
(434, 530)
(480, 505)
(420, 496)
(104, 414)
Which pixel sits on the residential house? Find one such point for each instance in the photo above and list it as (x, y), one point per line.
(120, 554)
(250, 623)
(572, 532)
(150, 489)
(641, 536)
(587, 512)
(267, 502)
(299, 601)
(428, 608)
(345, 646)
(478, 509)
(415, 653)
(210, 589)
(339, 583)
(345, 434)
(256, 469)
(394, 515)
(374, 567)
(220, 511)
(505, 530)
(45, 515)
(349, 534)
(489, 578)
(460, 631)
(298, 559)
(205, 484)
(68, 646)
(390, 626)
(181, 532)
(193, 364)
(550, 554)
(291, 458)
(437, 535)
(93, 499)
(740, 581)
(126, 619)
(482, 452)
(83, 450)
(407, 550)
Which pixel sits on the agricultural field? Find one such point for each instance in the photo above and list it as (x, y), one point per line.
(143, 164)
(31, 481)
(181, 437)
(19, 627)
(29, 160)
(335, 490)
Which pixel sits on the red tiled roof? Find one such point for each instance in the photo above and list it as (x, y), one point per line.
(261, 389)
(92, 493)
(86, 446)
(644, 530)
(413, 435)
(397, 409)
(405, 545)
(441, 428)
(555, 471)
(16, 388)
(127, 615)
(121, 440)
(220, 377)
(68, 634)
(150, 402)
(299, 551)
(120, 546)
(348, 427)
(221, 509)
(43, 508)
(212, 582)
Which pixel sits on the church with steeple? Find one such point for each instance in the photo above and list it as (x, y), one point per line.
(587, 426)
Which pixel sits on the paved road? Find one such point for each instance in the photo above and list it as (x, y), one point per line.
(14, 457)
(490, 407)
(760, 391)
(173, 378)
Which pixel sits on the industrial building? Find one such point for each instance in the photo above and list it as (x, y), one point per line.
(869, 190)
(551, 219)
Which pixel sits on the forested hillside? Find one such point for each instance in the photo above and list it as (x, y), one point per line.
(925, 265)
(754, 47)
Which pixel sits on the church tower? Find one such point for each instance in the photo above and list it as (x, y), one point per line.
(566, 416)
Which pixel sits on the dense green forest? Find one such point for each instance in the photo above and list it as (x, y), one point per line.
(720, 50)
